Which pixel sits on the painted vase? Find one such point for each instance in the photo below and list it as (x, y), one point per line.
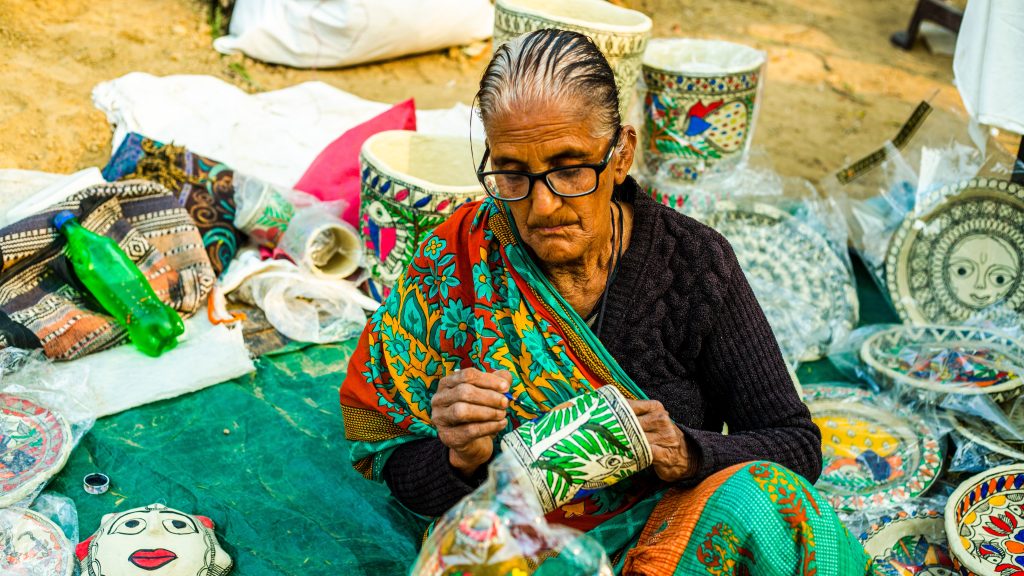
(985, 523)
(588, 443)
(700, 105)
(621, 34)
(410, 183)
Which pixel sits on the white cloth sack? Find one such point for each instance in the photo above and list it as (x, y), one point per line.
(298, 304)
(273, 136)
(989, 63)
(122, 378)
(319, 34)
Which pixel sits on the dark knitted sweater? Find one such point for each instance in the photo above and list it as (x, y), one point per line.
(682, 321)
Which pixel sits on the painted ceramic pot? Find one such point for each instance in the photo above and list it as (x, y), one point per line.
(410, 183)
(263, 212)
(985, 523)
(621, 34)
(961, 257)
(873, 456)
(34, 445)
(30, 544)
(909, 543)
(805, 289)
(154, 539)
(586, 444)
(948, 359)
(700, 105)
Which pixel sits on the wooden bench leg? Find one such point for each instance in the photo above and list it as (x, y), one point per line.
(932, 10)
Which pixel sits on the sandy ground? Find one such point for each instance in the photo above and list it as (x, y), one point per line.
(835, 88)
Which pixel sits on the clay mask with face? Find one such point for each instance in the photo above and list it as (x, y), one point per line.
(154, 540)
(982, 269)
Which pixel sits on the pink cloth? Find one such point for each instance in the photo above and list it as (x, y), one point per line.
(334, 175)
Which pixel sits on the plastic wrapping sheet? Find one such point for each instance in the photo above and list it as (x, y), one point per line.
(43, 415)
(500, 530)
(791, 243)
(877, 450)
(935, 221)
(264, 456)
(905, 538)
(39, 541)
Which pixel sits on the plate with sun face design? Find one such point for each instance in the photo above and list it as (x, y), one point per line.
(873, 455)
(961, 257)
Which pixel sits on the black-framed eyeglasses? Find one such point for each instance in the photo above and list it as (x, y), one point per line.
(566, 181)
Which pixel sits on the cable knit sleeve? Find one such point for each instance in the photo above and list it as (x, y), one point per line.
(420, 477)
(742, 369)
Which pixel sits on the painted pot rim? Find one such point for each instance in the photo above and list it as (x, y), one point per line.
(574, 12)
(660, 49)
(881, 537)
(375, 151)
(956, 548)
(868, 356)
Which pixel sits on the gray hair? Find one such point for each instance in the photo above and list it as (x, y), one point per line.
(550, 65)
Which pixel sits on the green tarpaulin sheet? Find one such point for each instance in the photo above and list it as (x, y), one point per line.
(265, 457)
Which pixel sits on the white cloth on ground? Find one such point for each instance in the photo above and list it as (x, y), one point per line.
(274, 135)
(58, 188)
(317, 34)
(989, 63)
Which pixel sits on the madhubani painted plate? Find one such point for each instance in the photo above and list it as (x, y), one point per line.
(31, 545)
(985, 523)
(34, 444)
(906, 544)
(948, 359)
(805, 289)
(873, 455)
(961, 257)
(983, 435)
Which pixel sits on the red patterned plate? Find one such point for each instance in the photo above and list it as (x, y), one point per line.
(30, 544)
(34, 444)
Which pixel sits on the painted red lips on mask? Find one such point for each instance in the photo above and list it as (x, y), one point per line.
(152, 559)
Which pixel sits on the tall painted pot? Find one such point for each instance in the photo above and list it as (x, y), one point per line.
(620, 33)
(700, 105)
(410, 183)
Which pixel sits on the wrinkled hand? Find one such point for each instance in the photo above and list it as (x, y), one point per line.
(672, 457)
(468, 411)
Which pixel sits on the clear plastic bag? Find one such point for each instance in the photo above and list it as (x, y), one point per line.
(790, 242)
(920, 211)
(40, 540)
(500, 530)
(43, 414)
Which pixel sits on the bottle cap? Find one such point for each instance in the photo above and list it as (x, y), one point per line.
(62, 217)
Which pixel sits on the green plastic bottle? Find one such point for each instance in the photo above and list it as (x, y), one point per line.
(119, 286)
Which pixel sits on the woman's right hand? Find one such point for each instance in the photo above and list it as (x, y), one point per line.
(469, 410)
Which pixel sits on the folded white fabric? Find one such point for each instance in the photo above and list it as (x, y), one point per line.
(33, 198)
(318, 34)
(273, 135)
(303, 307)
(123, 378)
(989, 63)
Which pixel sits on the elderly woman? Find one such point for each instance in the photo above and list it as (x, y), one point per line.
(568, 278)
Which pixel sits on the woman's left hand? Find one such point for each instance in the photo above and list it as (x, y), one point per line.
(672, 457)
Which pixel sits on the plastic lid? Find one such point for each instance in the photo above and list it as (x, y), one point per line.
(62, 217)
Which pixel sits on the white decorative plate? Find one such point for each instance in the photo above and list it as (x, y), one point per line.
(962, 256)
(805, 289)
(985, 523)
(31, 545)
(947, 359)
(34, 445)
(872, 456)
(909, 543)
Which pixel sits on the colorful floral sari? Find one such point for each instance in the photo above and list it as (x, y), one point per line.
(473, 297)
